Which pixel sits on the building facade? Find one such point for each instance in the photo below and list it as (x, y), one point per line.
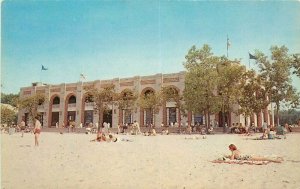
(68, 102)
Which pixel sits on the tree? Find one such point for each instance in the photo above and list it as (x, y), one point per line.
(201, 81)
(277, 76)
(8, 115)
(168, 94)
(126, 100)
(9, 99)
(102, 98)
(31, 103)
(230, 74)
(151, 101)
(253, 94)
(296, 64)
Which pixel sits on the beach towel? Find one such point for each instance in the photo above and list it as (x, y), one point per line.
(241, 162)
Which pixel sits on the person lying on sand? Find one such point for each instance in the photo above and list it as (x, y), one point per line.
(236, 155)
(112, 138)
(100, 137)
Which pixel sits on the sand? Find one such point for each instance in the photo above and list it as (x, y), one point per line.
(71, 161)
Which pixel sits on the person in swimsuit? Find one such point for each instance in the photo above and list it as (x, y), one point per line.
(37, 130)
(236, 155)
(22, 127)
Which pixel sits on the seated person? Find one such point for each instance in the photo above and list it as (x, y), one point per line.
(112, 138)
(153, 132)
(236, 155)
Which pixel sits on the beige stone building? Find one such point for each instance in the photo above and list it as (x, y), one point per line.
(67, 102)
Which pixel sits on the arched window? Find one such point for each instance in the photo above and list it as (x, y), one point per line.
(148, 92)
(89, 98)
(56, 100)
(72, 99)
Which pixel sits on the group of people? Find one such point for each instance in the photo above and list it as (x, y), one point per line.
(36, 129)
(134, 128)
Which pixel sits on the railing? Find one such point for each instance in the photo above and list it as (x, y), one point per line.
(89, 104)
(55, 106)
(72, 105)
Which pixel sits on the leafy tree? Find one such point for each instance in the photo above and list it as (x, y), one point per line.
(230, 74)
(126, 100)
(102, 98)
(276, 73)
(151, 101)
(253, 94)
(31, 103)
(201, 81)
(10, 99)
(296, 64)
(169, 94)
(8, 115)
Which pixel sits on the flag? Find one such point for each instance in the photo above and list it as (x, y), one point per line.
(82, 76)
(44, 68)
(252, 57)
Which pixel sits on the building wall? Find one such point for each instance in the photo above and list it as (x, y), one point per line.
(138, 83)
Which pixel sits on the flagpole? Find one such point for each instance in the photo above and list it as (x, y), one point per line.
(249, 60)
(227, 45)
(41, 75)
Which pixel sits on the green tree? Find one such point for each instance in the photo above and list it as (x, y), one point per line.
(201, 81)
(151, 101)
(10, 99)
(31, 103)
(8, 115)
(276, 73)
(252, 94)
(168, 94)
(296, 64)
(230, 75)
(126, 100)
(102, 98)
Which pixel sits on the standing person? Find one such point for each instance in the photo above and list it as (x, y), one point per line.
(137, 126)
(37, 130)
(264, 127)
(22, 127)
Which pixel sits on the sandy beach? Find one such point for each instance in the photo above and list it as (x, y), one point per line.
(71, 161)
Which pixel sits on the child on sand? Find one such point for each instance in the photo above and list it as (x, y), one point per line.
(236, 155)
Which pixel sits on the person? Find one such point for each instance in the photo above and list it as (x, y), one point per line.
(236, 155)
(37, 130)
(264, 126)
(100, 137)
(22, 127)
(136, 127)
(119, 128)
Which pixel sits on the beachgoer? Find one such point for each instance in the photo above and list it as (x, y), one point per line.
(22, 127)
(37, 130)
(236, 155)
(100, 137)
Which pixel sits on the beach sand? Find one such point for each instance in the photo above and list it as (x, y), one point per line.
(71, 161)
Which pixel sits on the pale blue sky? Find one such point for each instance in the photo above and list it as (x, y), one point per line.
(110, 39)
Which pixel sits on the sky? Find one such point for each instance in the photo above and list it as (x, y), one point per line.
(119, 39)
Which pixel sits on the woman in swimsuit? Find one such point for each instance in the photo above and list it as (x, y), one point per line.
(37, 130)
(236, 155)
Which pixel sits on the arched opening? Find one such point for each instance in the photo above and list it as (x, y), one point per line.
(125, 105)
(54, 109)
(88, 109)
(172, 116)
(70, 109)
(148, 112)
